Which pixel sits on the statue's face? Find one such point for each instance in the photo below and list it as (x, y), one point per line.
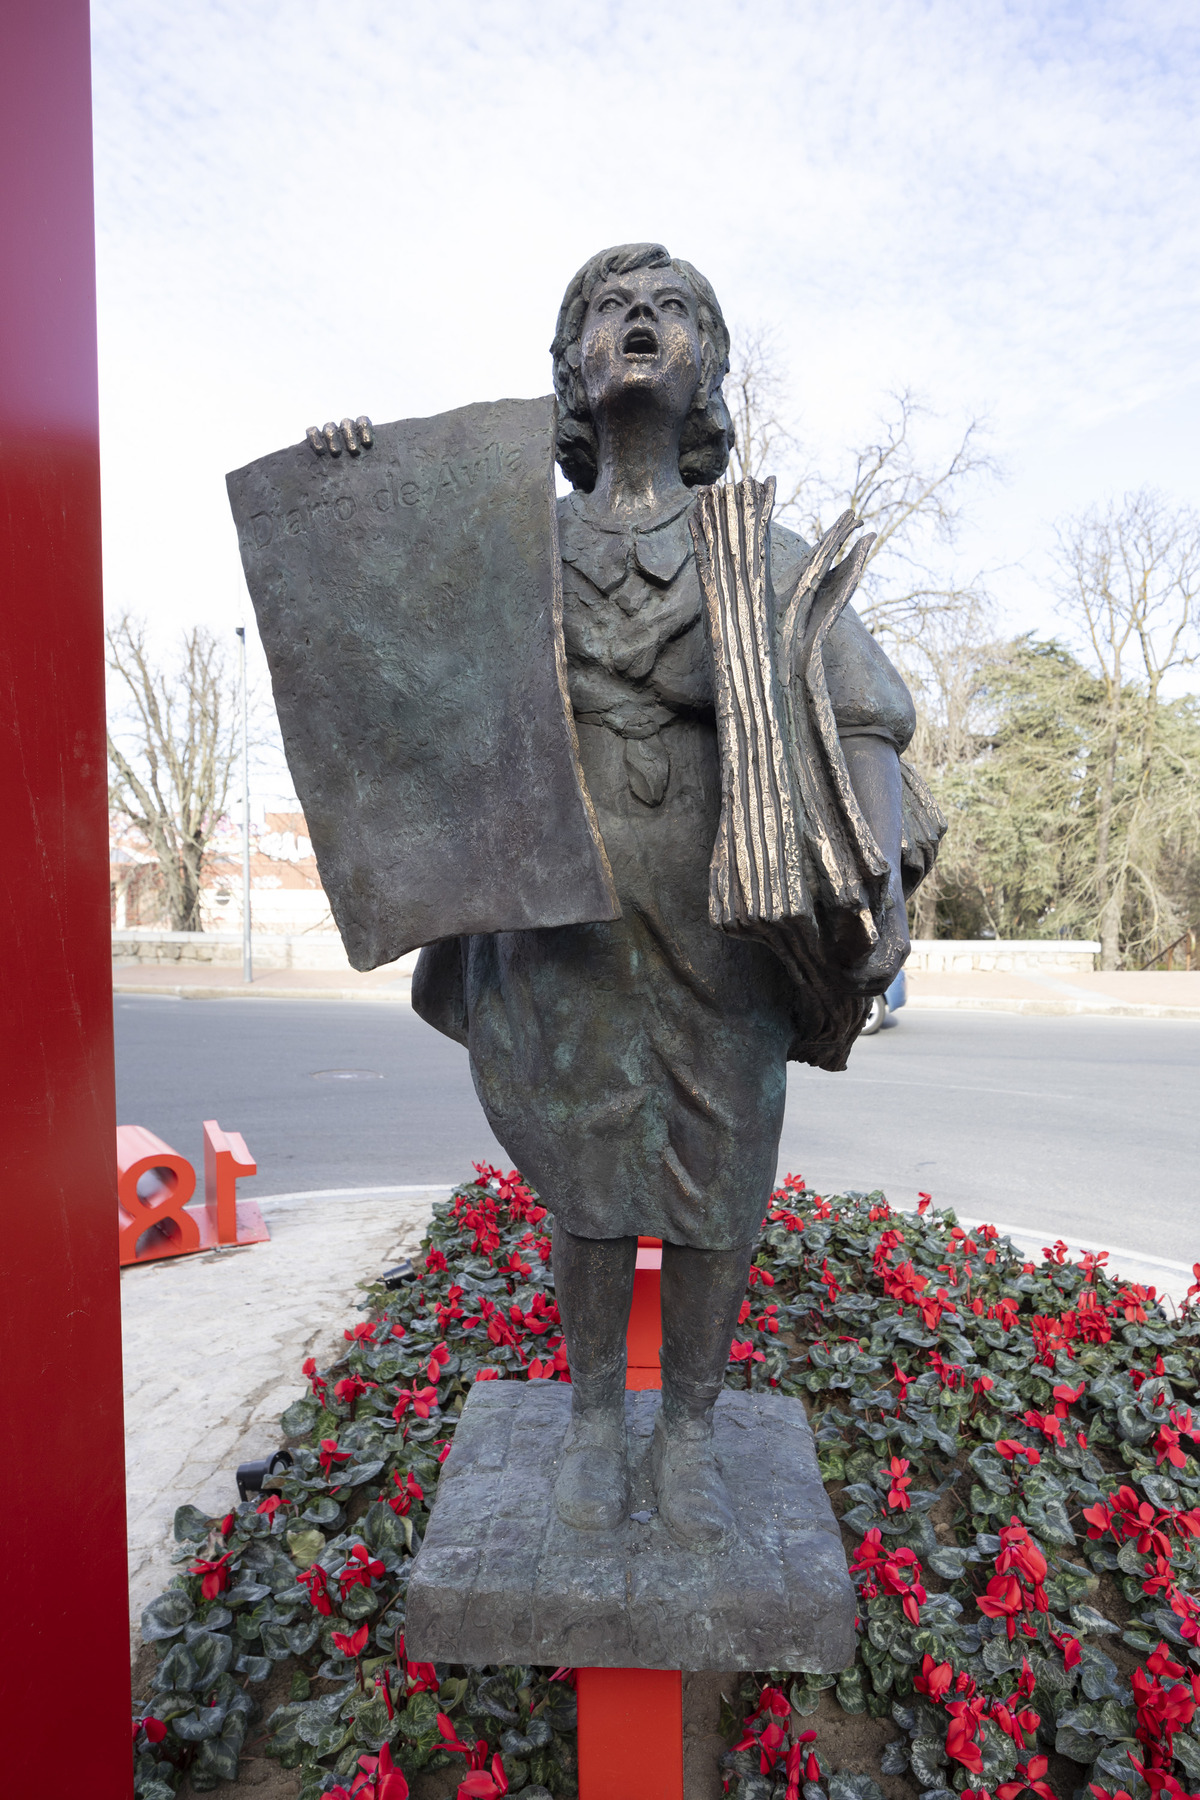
(641, 334)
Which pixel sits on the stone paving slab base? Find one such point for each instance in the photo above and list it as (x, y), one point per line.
(500, 1578)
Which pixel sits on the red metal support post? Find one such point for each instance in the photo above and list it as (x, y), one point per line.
(630, 1734)
(643, 1334)
(64, 1650)
(631, 1720)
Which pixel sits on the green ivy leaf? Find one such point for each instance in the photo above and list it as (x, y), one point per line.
(850, 1695)
(217, 1761)
(419, 1718)
(212, 1653)
(372, 1723)
(1117, 1721)
(203, 1722)
(276, 1642)
(177, 1670)
(254, 1668)
(1128, 1560)
(1168, 1626)
(1114, 1769)
(1049, 1519)
(853, 1787)
(301, 1638)
(360, 1603)
(999, 1656)
(322, 1511)
(355, 1474)
(1086, 1618)
(166, 1617)
(305, 1546)
(1099, 1676)
(949, 1561)
(247, 1593)
(1078, 1746)
(315, 1717)
(1134, 1427)
(381, 1528)
(300, 1418)
(927, 1757)
(191, 1524)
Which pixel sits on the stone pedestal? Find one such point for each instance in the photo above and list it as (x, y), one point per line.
(500, 1579)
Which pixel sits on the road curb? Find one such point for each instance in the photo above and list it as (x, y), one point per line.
(401, 995)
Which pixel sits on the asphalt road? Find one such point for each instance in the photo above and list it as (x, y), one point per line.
(1082, 1127)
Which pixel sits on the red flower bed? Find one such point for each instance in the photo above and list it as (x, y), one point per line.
(1010, 1446)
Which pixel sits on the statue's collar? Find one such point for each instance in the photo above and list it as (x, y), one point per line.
(659, 545)
(640, 527)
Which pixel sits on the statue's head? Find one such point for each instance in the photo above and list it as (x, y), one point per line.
(636, 321)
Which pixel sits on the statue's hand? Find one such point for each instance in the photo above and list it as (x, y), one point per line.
(355, 435)
(875, 972)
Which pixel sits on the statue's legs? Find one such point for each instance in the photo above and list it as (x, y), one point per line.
(702, 1292)
(593, 1285)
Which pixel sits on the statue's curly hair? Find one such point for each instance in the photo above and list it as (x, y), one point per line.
(708, 431)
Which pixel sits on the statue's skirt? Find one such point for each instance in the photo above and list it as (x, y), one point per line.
(635, 1071)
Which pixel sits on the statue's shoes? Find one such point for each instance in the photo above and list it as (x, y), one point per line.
(591, 1490)
(693, 1501)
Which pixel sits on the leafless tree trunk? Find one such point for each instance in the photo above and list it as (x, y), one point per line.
(1131, 584)
(170, 772)
(945, 665)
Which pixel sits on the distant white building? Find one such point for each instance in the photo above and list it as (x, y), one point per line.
(286, 895)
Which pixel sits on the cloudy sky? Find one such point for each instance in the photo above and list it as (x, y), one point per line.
(314, 207)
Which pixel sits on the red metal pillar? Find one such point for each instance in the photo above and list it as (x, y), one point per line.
(64, 1648)
(630, 1734)
(631, 1720)
(643, 1334)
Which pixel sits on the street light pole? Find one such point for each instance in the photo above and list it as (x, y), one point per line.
(247, 953)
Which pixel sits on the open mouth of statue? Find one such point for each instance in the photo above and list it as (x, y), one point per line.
(641, 341)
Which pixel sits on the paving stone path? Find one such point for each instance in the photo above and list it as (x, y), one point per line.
(213, 1346)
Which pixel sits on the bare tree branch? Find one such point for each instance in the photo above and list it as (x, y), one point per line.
(910, 499)
(171, 779)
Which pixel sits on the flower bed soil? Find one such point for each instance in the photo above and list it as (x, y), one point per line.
(1009, 1448)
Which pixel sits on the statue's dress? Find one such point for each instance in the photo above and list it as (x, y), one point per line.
(636, 1071)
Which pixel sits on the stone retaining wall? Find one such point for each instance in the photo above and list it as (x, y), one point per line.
(271, 950)
(323, 950)
(962, 956)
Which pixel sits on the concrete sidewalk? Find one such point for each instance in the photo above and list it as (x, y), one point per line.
(212, 1348)
(1144, 995)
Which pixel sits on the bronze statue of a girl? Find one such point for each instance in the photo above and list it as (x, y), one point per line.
(636, 1070)
(700, 743)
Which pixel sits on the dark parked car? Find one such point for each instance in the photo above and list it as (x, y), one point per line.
(883, 1004)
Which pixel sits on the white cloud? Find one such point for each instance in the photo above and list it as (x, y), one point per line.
(311, 208)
